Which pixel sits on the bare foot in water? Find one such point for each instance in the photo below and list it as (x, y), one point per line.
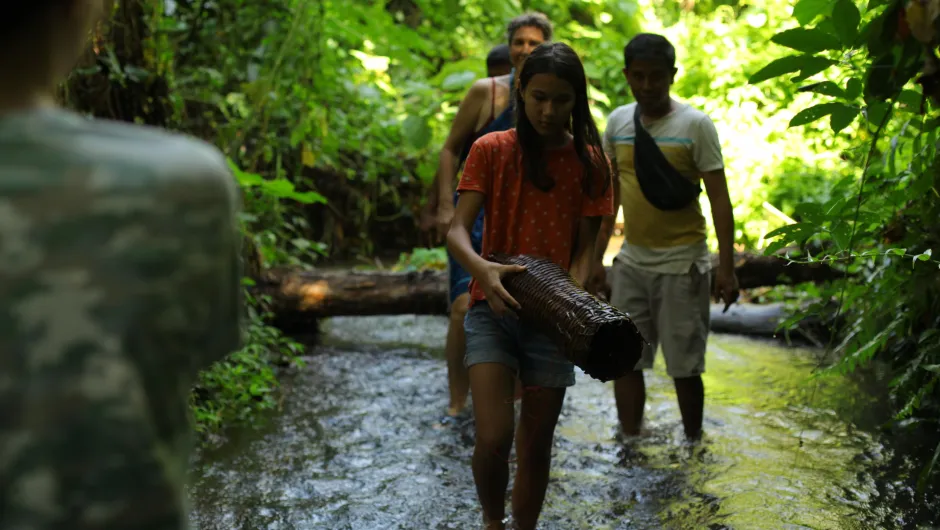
(453, 417)
(494, 525)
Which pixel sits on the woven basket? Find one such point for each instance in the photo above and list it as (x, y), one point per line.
(594, 335)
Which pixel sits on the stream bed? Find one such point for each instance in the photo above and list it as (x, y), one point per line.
(358, 446)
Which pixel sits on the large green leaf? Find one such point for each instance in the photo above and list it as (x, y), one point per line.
(806, 10)
(853, 88)
(777, 68)
(827, 88)
(807, 40)
(812, 66)
(807, 65)
(785, 235)
(842, 116)
(814, 113)
(416, 131)
(845, 18)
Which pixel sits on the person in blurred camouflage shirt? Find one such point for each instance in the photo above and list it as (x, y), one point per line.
(119, 280)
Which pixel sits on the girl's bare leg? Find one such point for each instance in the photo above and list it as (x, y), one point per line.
(492, 385)
(540, 410)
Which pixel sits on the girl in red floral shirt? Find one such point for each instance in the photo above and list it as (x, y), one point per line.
(545, 186)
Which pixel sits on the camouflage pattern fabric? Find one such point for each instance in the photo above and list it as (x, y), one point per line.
(119, 281)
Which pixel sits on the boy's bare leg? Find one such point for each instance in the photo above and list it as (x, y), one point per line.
(492, 385)
(630, 395)
(539, 415)
(691, 396)
(454, 348)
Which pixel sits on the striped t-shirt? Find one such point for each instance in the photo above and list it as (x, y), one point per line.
(664, 241)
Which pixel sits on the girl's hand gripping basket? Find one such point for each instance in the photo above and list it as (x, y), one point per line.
(594, 335)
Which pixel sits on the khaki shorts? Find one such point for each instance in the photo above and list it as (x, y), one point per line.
(669, 309)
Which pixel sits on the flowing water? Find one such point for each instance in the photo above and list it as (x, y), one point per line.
(358, 446)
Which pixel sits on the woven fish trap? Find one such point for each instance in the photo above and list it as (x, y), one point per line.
(594, 335)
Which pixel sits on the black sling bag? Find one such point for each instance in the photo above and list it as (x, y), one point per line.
(664, 187)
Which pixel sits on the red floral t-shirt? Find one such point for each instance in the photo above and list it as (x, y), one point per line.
(520, 218)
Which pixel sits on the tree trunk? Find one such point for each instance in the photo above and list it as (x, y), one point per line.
(300, 298)
(748, 319)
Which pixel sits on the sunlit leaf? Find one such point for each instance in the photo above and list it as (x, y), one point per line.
(814, 113)
(278, 187)
(598, 96)
(787, 230)
(789, 64)
(781, 66)
(924, 256)
(308, 197)
(806, 10)
(807, 40)
(370, 62)
(811, 67)
(827, 88)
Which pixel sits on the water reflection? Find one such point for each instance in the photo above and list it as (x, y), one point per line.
(358, 447)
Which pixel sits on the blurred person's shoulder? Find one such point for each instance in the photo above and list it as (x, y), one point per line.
(57, 149)
(111, 215)
(119, 280)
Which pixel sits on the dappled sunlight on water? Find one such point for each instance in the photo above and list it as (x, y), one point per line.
(358, 447)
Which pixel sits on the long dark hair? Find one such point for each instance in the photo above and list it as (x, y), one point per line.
(559, 59)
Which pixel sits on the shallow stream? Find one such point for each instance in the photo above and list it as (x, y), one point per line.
(358, 446)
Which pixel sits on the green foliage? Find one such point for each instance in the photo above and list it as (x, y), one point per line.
(364, 92)
(234, 391)
(421, 259)
(878, 221)
(719, 45)
(268, 219)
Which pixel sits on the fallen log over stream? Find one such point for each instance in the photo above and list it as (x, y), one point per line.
(300, 298)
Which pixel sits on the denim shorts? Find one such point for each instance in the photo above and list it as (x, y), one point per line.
(458, 277)
(535, 358)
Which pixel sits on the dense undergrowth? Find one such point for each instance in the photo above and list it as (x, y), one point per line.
(877, 85)
(332, 113)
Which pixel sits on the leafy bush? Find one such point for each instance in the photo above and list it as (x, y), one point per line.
(423, 259)
(878, 222)
(233, 391)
